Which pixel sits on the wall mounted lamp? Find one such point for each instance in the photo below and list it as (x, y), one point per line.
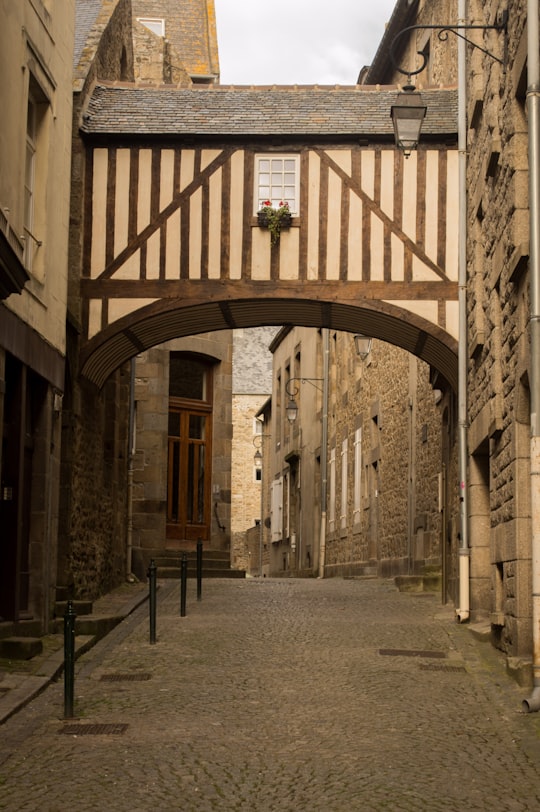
(292, 407)
(362, 345)
(257, 442)
(409, 111)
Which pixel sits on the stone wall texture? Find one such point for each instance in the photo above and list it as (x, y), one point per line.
(497, 322)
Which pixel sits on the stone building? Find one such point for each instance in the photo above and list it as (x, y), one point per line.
(103, 534)
(383, 443)
(36, 45)
(500, 272)
(252, 385)
(181, 469)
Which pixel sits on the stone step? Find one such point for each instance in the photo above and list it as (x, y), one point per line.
(95, 626)
(209, 564)
(431, 582)
(79, 607)
(20, 648)
(221, 572)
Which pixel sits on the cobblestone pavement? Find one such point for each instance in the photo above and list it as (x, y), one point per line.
(283, 695)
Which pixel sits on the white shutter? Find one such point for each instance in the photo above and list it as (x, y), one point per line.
(344, 482)
(357, 476)
(332, 499)
(277, 509)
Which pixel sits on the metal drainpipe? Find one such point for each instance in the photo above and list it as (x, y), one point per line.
(462, 613)
(533, 110)
(324, 450)
(131, 453)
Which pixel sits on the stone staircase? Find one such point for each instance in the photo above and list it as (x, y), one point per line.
(429, 580)
(215, 564)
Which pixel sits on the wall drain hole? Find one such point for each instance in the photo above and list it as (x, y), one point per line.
(400, 652)
(452, 669)
(94, 730)
(125, 677)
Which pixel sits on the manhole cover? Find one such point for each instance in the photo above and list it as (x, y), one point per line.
(125, 677)
(452, 669)
(94, 730)
(405, 652)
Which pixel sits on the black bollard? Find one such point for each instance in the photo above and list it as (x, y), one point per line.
(199, 569)
(152, 596)
(69, 659)
(183, 585)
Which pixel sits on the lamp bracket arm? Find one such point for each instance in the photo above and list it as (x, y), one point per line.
(292, 391)
(443, 31)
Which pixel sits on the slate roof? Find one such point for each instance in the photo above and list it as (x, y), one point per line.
(86, 14)
(257, 111)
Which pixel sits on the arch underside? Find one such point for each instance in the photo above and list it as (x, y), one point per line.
(171, 318)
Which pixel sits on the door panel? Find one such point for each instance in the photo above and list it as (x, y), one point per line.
(188, 492)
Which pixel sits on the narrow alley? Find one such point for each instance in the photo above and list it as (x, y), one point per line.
(288, 695)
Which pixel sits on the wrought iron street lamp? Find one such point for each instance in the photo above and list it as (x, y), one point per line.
(292, 407)
(409, 111)
(362, 345)
(407, 116)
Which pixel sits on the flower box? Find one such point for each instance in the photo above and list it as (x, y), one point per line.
(274, 219)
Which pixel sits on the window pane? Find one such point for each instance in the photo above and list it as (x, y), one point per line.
(289, 178)
(196, 426)
(276, 193)
(187, 378)
(264, 165)
(277, 178)
(277, 165)
(174, 424)
(290, 165)
(190, 484)
(288, 191)
(200, 485)
(264, 178)
(264, 192)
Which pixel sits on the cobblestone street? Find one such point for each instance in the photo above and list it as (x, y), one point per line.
(281, 695)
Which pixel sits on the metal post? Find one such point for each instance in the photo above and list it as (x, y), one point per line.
(183, 585)
(151, 574)
(69, 659)
(199, 568)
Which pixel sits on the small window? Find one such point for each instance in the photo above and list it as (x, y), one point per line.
(277, 180)
(35, 175)
(154, 24)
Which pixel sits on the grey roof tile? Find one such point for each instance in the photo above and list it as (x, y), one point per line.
(257, 111)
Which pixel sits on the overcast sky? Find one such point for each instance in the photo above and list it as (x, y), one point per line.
(298, 41)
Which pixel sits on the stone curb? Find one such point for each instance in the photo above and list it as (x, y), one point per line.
(23, 688)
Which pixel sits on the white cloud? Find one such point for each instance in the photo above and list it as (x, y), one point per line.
(298, 41)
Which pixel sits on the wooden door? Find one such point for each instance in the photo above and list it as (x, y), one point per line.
(189, 470)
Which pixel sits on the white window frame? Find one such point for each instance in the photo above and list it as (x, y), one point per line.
(35, 176)
(344, 482)
(30, 178)
(357, 506)
(154, 24)
(263, 192)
